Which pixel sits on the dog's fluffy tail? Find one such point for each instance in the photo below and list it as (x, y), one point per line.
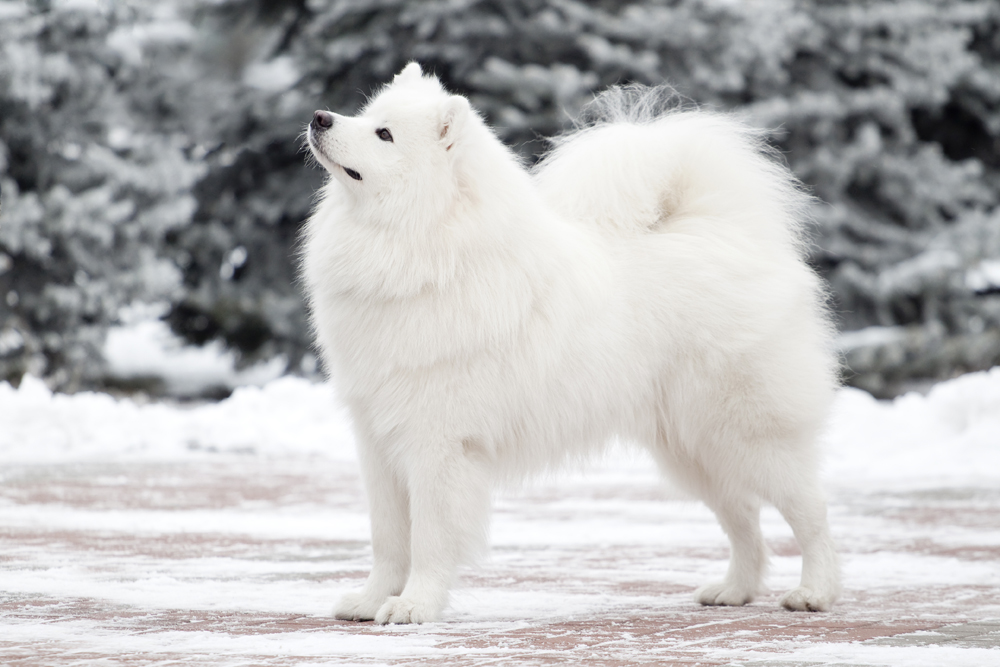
(639, 162)
(633, 103)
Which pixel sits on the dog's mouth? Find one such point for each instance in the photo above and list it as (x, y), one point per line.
(318, 150)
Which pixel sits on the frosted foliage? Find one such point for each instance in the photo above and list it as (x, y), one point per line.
(90, 190)
(174, 126)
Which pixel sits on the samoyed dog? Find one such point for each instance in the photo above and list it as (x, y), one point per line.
(484, 321)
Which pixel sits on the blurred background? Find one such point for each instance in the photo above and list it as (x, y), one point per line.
(154, 183)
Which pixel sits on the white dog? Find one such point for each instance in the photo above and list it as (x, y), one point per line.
(484, 322)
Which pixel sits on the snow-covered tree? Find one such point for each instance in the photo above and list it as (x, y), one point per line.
(153, 151)
(90, 187)
(889, 110)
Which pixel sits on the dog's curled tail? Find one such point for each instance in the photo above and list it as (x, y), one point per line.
(641, 160)
(632, 103)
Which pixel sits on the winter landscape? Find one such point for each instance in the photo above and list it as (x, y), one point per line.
(221, 534)
(178, 482)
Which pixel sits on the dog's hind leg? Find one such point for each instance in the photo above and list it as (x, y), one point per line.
(784, 473)
(804, 508)
(739, 516)
(390, 525)
(738, 511)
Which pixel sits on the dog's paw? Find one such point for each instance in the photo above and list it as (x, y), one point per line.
(806, 599)
(404, 610)
(723, 593)
(357, 607)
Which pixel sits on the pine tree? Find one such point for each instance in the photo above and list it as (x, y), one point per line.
(153, 152)
(89, 186)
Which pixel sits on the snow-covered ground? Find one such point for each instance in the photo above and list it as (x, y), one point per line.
(221, 533)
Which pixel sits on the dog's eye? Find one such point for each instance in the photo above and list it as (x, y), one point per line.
(384, 134)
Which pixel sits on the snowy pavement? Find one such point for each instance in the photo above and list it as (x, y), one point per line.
(221, 534)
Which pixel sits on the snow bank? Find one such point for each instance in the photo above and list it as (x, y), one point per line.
(287, 416)
(144, 346)
(952, 433)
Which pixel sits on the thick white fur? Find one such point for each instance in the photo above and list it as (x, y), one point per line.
(484, 323)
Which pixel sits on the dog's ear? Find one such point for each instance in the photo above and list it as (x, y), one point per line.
(453, 117)
(411, 72)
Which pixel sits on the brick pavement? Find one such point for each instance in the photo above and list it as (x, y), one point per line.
(143, 563)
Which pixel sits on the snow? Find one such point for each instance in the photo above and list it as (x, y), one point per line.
(248, 512)
(273, 76)
(951, 434)
(919, 273)
(166, 28)
(144, 346)
(287, 416)
(984, 276)
(911, 656)
(874, 336)
(12, 10)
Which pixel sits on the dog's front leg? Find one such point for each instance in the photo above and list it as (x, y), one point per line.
(390, 524)
(449, 489)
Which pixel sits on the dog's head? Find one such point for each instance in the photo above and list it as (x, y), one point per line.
(402, 141)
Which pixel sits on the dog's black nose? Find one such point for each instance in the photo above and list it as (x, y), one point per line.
(322, 120)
